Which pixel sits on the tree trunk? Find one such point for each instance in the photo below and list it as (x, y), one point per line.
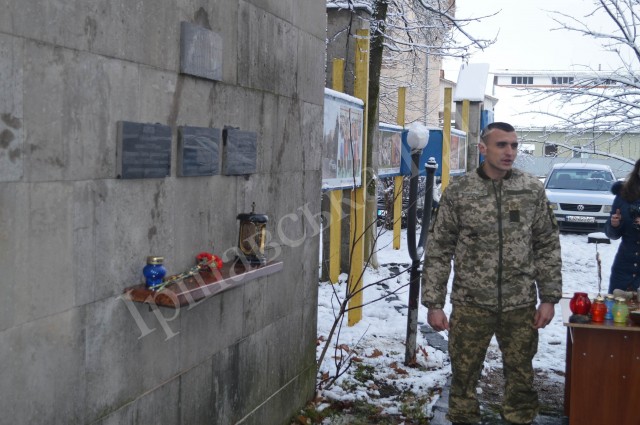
(375, 65)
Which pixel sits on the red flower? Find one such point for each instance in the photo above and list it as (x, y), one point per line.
(205, 259)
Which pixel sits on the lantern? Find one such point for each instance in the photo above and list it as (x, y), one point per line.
(620, 311)
(252, 235)
(154, 271)
(580, 303)
(598, 309)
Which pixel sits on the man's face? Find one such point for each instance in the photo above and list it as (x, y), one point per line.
(499, 149)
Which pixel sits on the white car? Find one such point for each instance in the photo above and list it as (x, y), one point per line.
(580, 195)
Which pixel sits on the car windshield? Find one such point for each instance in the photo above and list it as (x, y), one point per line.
(580, 179)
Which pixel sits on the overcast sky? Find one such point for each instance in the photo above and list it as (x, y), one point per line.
(526, 39)
(529, 39)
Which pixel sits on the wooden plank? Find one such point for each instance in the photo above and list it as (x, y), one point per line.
(205, 285)
(604, 380)
(567, 375)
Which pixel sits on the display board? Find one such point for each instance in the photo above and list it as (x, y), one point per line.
(389, 150)
(342, 141)
(458, 153)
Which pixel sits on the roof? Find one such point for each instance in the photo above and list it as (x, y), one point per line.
(550, 73)
(472, 82)
(446, 82)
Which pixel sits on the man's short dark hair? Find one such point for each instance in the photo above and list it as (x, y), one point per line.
(506, 127)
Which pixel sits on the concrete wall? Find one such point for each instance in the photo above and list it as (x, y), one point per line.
(73, 237)
(342, 26)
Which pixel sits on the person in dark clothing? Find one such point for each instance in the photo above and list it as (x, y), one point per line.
(624, 222)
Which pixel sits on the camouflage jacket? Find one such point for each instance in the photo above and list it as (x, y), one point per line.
(503, 240)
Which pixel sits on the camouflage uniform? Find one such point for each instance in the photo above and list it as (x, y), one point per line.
(504, 240)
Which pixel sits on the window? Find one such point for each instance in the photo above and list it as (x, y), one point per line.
(562, 80)
(527, 148)
(580, 179)
(550, 150)
(521, 80)
(610, 82)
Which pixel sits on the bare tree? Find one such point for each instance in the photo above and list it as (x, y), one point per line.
(604, 104)
(405, 36)
(409, 40)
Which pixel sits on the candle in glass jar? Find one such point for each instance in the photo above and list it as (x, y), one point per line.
(598, 309)
(609, 301)
(620, 311)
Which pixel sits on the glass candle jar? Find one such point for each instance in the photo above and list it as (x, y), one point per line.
(609, 301)
(598, 309)
(580, 303)
(154, 271)
(620, 311)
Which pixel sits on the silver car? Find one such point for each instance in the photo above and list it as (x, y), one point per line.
(580, 195)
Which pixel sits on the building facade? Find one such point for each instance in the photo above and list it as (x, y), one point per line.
(74, 236)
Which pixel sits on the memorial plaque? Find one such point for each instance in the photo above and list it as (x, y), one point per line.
(200, 52)
(198, 151)
(240, 152)
(143, 151)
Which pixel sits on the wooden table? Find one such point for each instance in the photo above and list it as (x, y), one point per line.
(602, 381)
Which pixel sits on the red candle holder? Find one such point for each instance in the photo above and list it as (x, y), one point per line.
(580, 303)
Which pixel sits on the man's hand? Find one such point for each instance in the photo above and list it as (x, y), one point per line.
(616, 218)
(437, 319)
(543, 315)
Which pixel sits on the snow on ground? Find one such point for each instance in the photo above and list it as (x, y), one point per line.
(378, 339)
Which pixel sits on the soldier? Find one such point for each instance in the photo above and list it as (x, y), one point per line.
(496, 225)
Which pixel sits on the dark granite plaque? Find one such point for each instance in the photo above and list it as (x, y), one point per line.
(200, 52)
(143, 151)
(198, 151)
(240, 152)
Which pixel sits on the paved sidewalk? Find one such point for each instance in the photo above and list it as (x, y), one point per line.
(488, 416)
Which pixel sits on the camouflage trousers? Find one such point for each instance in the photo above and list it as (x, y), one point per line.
(471, 330)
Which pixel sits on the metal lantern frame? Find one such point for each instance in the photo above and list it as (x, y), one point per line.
(252, 235)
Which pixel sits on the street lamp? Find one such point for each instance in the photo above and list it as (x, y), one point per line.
(417, 139)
